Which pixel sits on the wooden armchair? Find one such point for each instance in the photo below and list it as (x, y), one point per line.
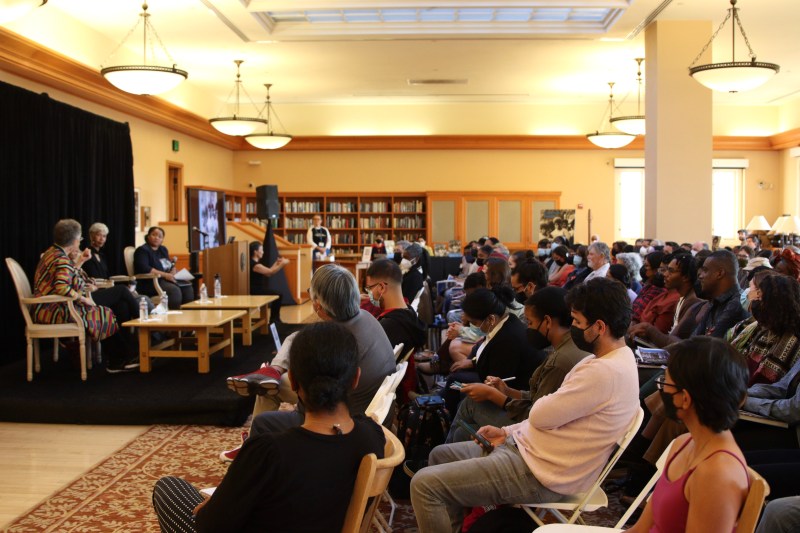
(128, 254)
(34, 331)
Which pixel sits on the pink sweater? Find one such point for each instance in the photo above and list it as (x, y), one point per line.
(570, 434)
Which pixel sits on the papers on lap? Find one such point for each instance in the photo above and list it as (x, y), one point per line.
(183, 275)
(761, 419)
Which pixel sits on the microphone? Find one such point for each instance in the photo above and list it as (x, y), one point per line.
(198, 230)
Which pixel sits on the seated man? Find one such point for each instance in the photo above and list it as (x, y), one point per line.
(334, 295)
(567, 438)
(398, 320)
(494, 402)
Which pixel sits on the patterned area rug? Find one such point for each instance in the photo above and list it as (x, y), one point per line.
(115, 495)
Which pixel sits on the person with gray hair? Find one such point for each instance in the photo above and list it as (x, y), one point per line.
(334, 297)
(633, 262)
(58, 273)
(599, 258)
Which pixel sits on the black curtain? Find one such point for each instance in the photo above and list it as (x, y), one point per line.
(57, 161)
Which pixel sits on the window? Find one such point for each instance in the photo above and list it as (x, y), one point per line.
(727, 202)
(629, 181)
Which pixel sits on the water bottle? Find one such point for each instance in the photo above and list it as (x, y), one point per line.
(142, 308)
(217, 286)
(164, 304)
(203, 293)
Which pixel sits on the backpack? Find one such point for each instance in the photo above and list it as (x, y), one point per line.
(422, 425)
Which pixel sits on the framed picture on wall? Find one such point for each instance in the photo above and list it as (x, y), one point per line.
(136, 223)
(145, 217)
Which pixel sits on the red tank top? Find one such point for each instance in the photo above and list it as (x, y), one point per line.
(670, 507)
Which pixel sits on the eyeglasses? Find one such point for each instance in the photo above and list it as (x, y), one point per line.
(661, 382)
(370, 287)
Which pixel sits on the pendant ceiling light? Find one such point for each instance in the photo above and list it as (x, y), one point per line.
(144, 78)
(269, 140)
(633, 124)
(611, 138)
(14, 9)
(733, 76)
(236, 124)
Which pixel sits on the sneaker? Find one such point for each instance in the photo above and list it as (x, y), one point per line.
(265, 382)
(117, 367)
(227, 456)
(412, 466)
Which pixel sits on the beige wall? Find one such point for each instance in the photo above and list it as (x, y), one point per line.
(203, 163)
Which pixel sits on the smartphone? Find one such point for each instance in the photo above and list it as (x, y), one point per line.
(456, 385)
(484, 443)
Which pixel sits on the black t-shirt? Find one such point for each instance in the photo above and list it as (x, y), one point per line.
(96, 266)
(296, 480)
(403, 325)
(256, 279)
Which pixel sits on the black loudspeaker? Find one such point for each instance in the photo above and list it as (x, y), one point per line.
(267, 205)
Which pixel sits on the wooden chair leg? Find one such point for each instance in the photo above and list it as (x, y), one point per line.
(55, 350)
(83, 358)
(37, 361)
(30, 359)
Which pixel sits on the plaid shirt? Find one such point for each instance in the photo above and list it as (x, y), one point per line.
(646, 295)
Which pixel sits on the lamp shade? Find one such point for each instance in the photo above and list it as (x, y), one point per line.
(144, 79)
(610, 139)
(791, 226)
(758, 223)
(734, 76)
(268, 141)
(236, 125)
(634, 125)
(777, 227)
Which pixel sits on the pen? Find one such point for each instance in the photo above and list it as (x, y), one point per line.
(509, 379)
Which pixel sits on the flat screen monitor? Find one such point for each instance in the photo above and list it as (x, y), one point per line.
(206, 218)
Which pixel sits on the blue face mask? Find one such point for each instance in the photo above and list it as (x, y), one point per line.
(374, 301)
(577, 260)
(476, 331)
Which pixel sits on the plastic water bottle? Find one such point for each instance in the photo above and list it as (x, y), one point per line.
(142, 308)
(164, 304)
(203, 293)
(217, 286)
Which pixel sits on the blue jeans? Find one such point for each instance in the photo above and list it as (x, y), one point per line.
(460, 476)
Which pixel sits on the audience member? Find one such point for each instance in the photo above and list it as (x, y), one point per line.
(633, 262)
(58, 274)
(276, 474)
(493, 402)
(567, 438)
(779, 400)
(414, 266)
(781, 516)
(769, 339)
(153, 258)
(564, 266)
(580, 262)
(598, 257)
(520, 257)
(652, 283)
(620, 274)
(788, 263)
(259, 275)
(398, 320)
(719, 284)
(529, 277)
(705, 480)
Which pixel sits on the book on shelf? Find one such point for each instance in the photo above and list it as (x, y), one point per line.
(409, 206)
(295, 206)
(374, 207)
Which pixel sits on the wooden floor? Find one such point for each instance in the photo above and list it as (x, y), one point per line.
(37, 460)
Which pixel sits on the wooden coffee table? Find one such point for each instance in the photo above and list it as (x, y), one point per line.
(201, 322)
(257, 308)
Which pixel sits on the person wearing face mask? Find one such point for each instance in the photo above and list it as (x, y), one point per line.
(527, 278)
(743, 255)
(563, 264)
(501, 350)
(567, 437)
(378, 247)
(579, 261)
(414, 266)
(652, 284)
(705, 482)
(495, 403)
(769, 339)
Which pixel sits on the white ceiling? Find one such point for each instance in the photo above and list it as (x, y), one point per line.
(557, 62)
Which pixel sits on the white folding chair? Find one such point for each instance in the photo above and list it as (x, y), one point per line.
(592, 499)
(398, 350)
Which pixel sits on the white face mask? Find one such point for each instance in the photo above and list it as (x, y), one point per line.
(643, 251)
(577, 260)
(405, 265)
(694, 252)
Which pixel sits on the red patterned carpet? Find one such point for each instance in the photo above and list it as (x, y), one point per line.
(115, 495)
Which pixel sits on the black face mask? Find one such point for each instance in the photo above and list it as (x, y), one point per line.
(479, 261)
(378, 241)
(670, 411)
(643, 273)
(560, 262)
(537, 339)
(520, 297)
(658, 280)
(742, 262)
(579, 339)
(757, 310)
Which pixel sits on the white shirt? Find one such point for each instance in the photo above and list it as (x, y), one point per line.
(599, 273)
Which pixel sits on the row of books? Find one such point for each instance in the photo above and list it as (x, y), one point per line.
(413, 206)
(302, 207)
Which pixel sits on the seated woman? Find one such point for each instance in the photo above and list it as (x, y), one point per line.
(581, 270)
(564, 266)
(153, 258)
(300, 479)
(620, 273)
(770, 340)
(414, 265)
(503, 350)
(58, 273)
(705, 480)
(259, 275)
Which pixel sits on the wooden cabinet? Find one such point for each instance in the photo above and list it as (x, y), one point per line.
(512, 217)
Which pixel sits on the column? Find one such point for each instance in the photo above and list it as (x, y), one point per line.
(678, 142)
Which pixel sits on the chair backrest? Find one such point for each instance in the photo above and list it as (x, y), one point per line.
(372, 480)
(23, 287)
(407, 355)
(398, 350)
(425, 309)
(378, 408)
(662, 461)
(751, 510)
(128, 254)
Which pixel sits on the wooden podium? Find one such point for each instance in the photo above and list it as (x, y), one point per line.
(232, 263)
